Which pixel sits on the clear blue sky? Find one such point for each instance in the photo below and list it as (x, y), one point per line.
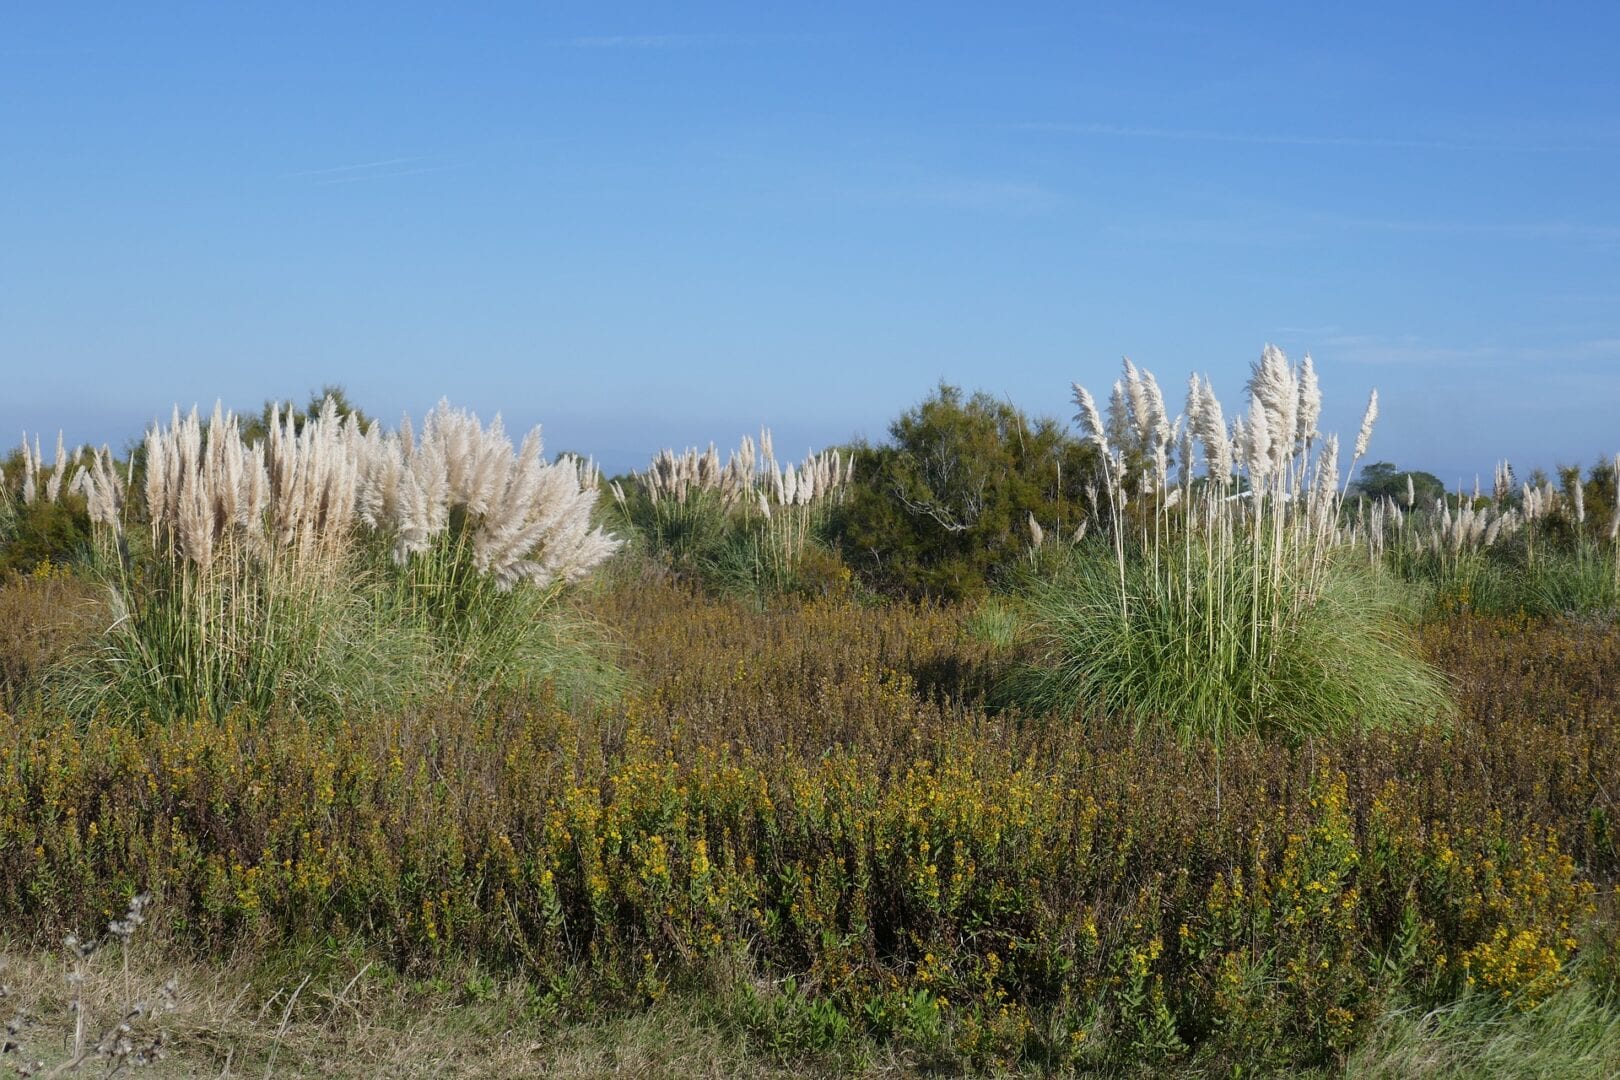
(660, 224)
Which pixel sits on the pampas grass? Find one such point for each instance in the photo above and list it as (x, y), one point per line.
(1533, 551)
(1228, 601)
(746, 526)
(327, 566)
(1199, 654)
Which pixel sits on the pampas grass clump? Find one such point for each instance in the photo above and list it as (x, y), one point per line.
(1223, 602)
(328, 565)
(750, 525)
(1188, 657)
(1522, 549)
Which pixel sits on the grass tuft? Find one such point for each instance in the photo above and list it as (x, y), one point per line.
(1194, 658)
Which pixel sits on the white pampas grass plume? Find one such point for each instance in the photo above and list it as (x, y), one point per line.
(1119, 419)
(1411, 492)
(1037, 535)
(1141, 411)
(1257, 440)
(103, 491)
(1614, 525)
(1159, 429)
(1326, 483)
(53, 485)
(1211, 431)
(1310, 401)
(1185, 453)
(1195, 403)
(527, 520)
(1580, 500)
(1090, 418)
(1493, 530)
(1364, 436)
(30, 466)
(1275, 387)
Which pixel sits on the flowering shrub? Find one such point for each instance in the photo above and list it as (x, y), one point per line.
(783, 796)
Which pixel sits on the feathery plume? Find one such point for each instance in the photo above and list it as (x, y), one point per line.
(30, 467)
(53, 485)
(1257, 440)
(1364, 436)
(1310, 401)
(1212, 433)
(1275, 387)
(1140, 410)
(1119, 419)
(1090, 418)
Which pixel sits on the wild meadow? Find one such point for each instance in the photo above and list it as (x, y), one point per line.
(1159, 744)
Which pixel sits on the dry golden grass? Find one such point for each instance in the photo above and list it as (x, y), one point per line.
(242, 1020)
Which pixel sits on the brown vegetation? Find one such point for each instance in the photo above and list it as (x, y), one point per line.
(817, 792)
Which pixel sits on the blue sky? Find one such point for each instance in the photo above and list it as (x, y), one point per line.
(644, 225)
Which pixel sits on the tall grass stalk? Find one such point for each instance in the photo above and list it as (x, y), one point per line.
(1575, 1034)
(252, 630)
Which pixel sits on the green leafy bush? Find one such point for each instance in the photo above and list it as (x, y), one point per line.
(943, 509)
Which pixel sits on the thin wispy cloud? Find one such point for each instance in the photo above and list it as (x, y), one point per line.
(337, 169)
(684, 41)
(638, 41)
(1286, 139)
(1525, 230)
(358, 177)
(1413, 351)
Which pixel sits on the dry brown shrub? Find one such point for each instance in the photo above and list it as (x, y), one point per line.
(44, 617)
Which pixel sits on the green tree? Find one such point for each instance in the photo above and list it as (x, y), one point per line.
(943, 508)
(256, 428)
(1382, 480)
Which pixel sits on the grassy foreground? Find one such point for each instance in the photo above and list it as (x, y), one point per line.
(354, 1019)
(802, 841)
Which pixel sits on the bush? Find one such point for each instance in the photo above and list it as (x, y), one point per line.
(944, 508)
(754, 528)
(46, 617)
